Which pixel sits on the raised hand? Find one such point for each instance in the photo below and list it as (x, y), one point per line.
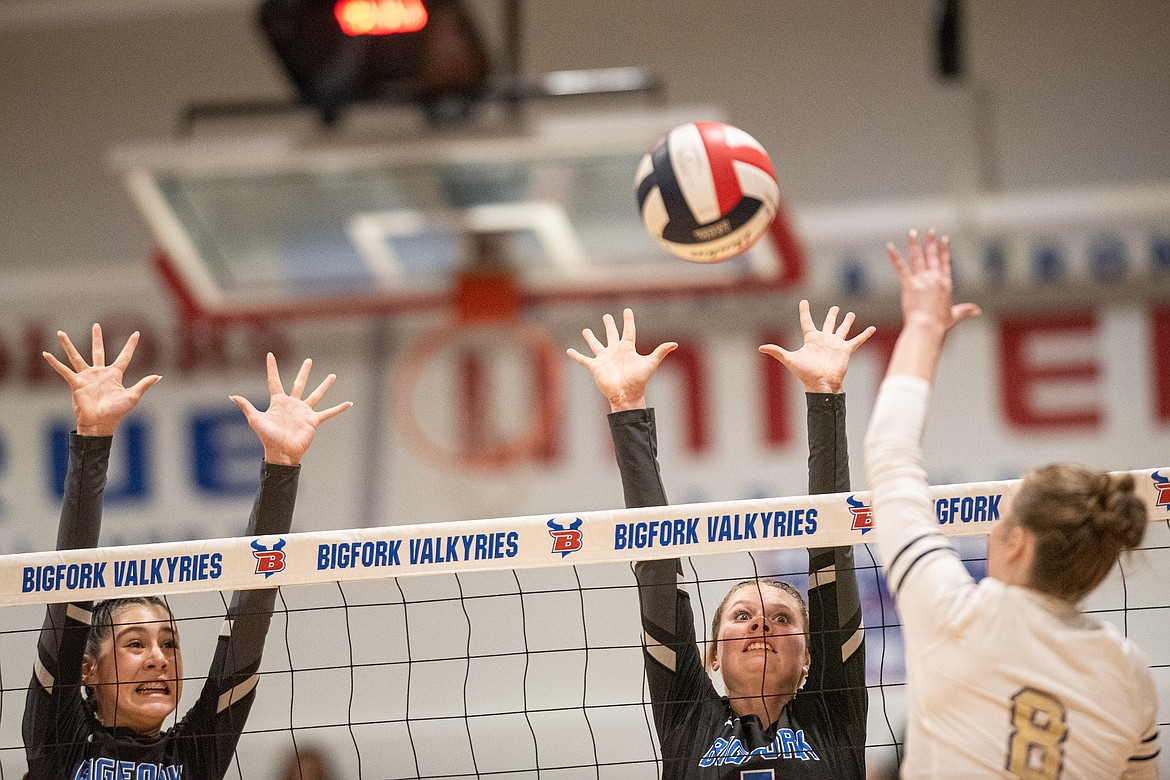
(928, 311)
(287, 427)
(926, 283)
(100, 401)
(619, 371)
(821, 362)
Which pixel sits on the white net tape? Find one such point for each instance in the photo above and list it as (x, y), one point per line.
(481, 545)
(518, 654)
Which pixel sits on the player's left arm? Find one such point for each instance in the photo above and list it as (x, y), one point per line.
(675, 674)
(923, 570)
(286, 430)
(836, 631)
(674, 667)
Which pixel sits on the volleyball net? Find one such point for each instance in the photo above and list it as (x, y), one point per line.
(511, 647)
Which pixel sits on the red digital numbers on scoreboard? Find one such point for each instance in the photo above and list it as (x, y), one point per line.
(380, 17)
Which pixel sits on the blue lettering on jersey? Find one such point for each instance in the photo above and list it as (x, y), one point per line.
(787, 744)
(114, 769)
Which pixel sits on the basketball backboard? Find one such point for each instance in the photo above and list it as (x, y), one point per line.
(268, 226)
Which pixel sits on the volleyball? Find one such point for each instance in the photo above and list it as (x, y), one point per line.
(707, 191)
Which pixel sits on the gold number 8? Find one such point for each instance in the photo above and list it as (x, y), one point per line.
(1039, 728)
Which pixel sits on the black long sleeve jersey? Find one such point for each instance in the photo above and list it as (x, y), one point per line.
(63, 739)
(821, 732)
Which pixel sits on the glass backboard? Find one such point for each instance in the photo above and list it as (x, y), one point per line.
(268, 226)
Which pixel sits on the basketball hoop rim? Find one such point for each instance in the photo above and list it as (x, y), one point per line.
(509, 453)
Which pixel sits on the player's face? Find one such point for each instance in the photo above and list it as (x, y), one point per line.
(762, 644)
(137, 676)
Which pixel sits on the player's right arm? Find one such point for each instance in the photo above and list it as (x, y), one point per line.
(54, 717)
(1144, 764)
(674, 667)
(923, 570)
(1144, 757)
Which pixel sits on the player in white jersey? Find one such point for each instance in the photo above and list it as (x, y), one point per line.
(1006, 677)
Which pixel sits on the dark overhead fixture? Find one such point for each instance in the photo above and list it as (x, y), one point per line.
(426, 53)
(948, 27)
(341, 52)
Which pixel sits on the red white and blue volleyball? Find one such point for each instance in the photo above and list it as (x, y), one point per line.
(707, 191)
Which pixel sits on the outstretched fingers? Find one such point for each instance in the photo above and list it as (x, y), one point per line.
(806, 320)
(585, 361)
(842, 331)
(65, 371)
(142, 385)
(315, 396)
(75, 358)
(860, 338)
(629, 330)
(618, 370)
(611, 331)
(298, 387)
(962, 311)
(98, 350)
(931, 254)
(914, 249)
(660, 352)
(275, 387)
(778, 352)
(122, 362)
(286, 428)
(927, 283)
(593, 342)
(245, 406)
(831, 319)
(333, 411)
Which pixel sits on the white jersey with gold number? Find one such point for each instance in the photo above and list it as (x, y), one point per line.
(1003, 680)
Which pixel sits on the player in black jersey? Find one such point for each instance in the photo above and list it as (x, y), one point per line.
(794, 674)
(125, 653)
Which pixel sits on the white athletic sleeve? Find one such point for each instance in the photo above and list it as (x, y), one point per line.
(923, 571)
(1143, 765)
